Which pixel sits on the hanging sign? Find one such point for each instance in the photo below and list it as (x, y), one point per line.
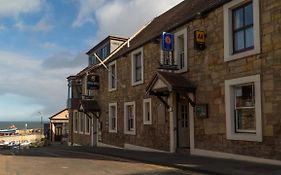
(93, 81)
(199, 40)
(201, 110)
(167, 41)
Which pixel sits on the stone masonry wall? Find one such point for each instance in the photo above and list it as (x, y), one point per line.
(209, 71)
(154, 136)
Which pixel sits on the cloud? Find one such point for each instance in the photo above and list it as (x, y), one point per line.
(39, 83)
(43, 25)
(120, 17)
(10, 8)
(2, 28)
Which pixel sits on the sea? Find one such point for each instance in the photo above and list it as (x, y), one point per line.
(21, 124)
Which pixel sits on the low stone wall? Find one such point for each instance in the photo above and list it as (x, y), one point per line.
(20, 138)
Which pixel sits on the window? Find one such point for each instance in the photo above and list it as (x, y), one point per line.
(87, 125)
(112, 76)
(92, 60)
(75, 122)
(112, 117)
(81, 128)
(104, 52)
(137, 67)
(241, 29)
(243, 108)
(180, 53)
(129, 118)
(147, 115)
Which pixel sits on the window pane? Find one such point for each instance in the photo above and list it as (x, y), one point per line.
(245, 119)
(249, 37)
(113, 73)
(249, 14)
(244, 96)
(138, 74)
(239, 41)
(238, 18)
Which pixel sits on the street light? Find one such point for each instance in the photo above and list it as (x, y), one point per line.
(41, 130)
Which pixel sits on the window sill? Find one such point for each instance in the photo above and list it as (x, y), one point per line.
(241, 55)
(147, 123)
(112, 131)
(87, 133)
(245, 137)
(137, 83)
(112, 90)
(81, 133)
(130, 132)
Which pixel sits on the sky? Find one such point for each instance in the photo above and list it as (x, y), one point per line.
(44, 41)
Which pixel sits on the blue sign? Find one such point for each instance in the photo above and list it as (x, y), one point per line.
(167, 41)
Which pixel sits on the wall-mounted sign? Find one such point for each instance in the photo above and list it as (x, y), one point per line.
(167, 41)
(199, 40)
(93, 81)
(201, 110)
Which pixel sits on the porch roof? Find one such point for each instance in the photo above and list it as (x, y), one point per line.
(89, 105)
(168, 82)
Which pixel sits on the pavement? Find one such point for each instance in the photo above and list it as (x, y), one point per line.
(188, 162)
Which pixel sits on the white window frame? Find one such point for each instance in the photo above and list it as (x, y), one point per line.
(126, 131)
(229, 106)
(145, 121)
(76, 124)
(110, 76)
(81, 116)
(183, 33)
(228, 38)
(110, 118)
(133, 67)
(89, 125)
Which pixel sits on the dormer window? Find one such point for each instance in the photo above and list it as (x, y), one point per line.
(92, 60)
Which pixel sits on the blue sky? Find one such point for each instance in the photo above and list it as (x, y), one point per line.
(44, 41)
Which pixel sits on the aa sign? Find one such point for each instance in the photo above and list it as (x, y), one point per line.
(200, 36)
(199, 40)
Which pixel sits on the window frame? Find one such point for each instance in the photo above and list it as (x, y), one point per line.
(231, 133)
(133, 67)
(110, 76)
(75, 121)
(81, 123)
(145, 121)
(178, 34)
(110, 118)
(89, 125)
(228, 8)
(126, 129)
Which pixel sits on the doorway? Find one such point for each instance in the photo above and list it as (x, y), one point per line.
(58, 132)
(183, 125)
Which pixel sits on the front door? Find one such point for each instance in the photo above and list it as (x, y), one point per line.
(183, 125)
(58, 133)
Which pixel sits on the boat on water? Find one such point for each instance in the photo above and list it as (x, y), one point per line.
(11, 130)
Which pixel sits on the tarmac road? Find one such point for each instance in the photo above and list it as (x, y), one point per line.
(58, 161)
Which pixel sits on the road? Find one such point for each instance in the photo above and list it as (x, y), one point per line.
(58, 161)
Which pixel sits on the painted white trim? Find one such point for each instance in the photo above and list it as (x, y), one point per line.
(87, 133)
(135, 83)
(141, 148)
(228, 38)
(229, 108)
(110, 89)
(191, 122)
(146, 122)
(109, 118)
(133, 132)
(81, 130)
(75, 130)
(172, 124)
(183, 33)
(206, 153)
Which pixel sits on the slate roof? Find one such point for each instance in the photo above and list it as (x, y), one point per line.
(90, 106)
(173, 81)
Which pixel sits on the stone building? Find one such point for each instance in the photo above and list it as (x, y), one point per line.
(215, 93)
(59, 126)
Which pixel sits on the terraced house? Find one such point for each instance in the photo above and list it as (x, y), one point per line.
(214, 92)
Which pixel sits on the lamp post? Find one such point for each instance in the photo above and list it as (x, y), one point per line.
(41, 130)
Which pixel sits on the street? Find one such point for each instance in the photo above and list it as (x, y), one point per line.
(56, 160)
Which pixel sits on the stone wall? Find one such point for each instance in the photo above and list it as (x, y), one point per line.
(153, 136)
(209, 71)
